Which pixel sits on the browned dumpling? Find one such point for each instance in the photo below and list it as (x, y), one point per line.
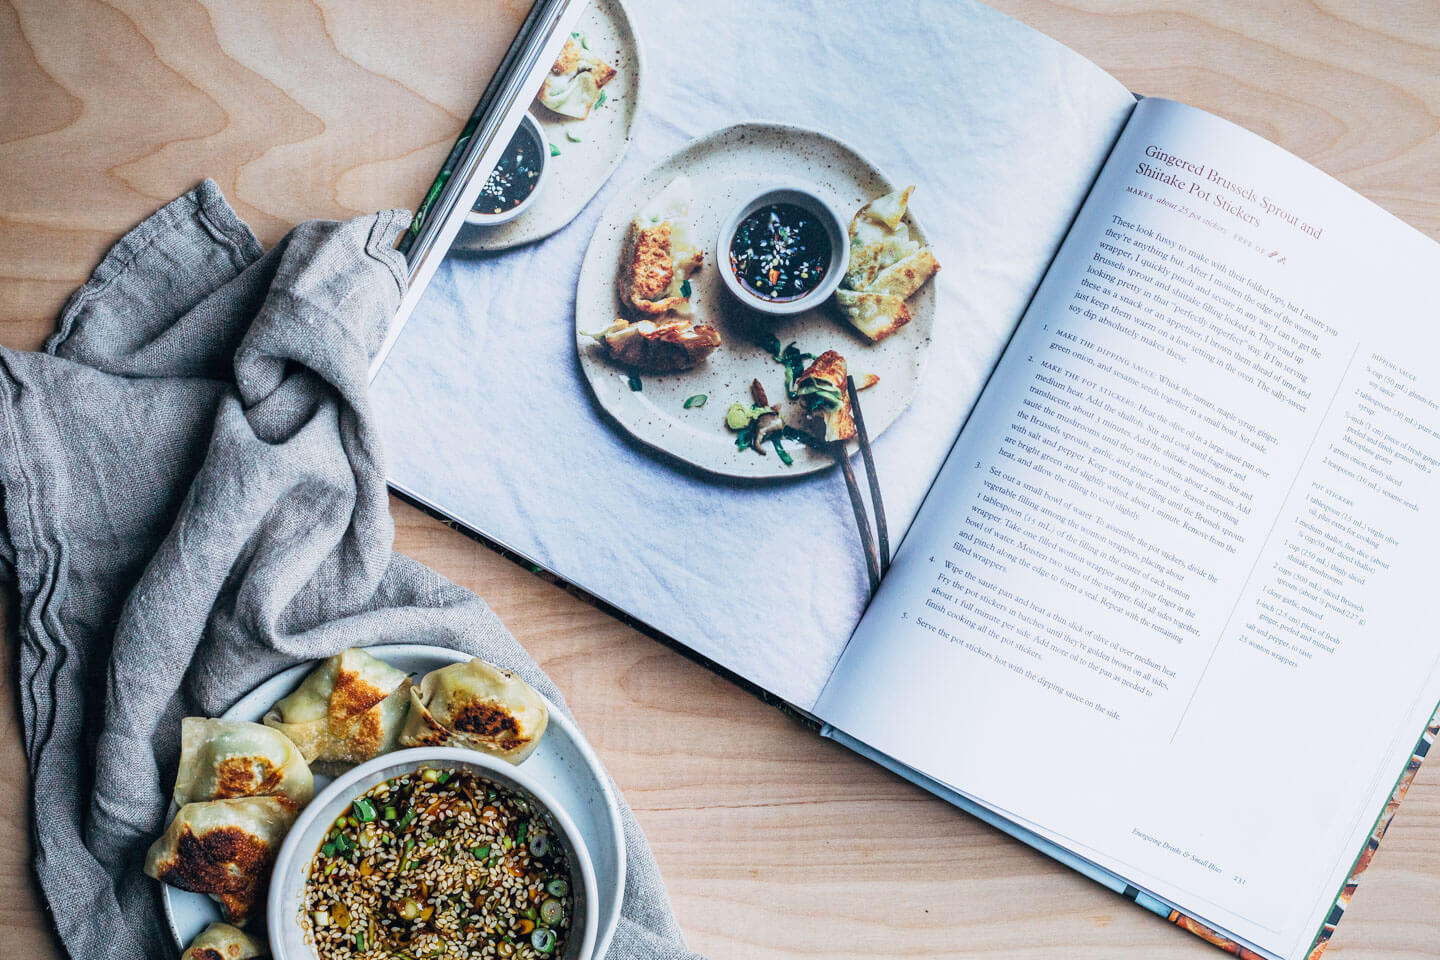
(573, 85)
(223, 848)
(223, 941)
(348, 710)
(886, 267)
(478, 706)
(675, 344)
(822, 392)
(222, 759)
(659, 257)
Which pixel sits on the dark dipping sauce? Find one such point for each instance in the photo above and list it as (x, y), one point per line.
(514, 178)
(780, 252)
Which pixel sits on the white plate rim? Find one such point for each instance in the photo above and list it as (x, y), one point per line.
(444, 656)
(494, 239)
(629, 197)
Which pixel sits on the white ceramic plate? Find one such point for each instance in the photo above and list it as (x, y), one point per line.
(563, 764)
(726, 168)
(582, 167)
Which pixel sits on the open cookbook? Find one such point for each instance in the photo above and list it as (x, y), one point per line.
(1152, 406)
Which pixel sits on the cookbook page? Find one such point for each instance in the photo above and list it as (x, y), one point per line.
(513, 401)
(1177, 568)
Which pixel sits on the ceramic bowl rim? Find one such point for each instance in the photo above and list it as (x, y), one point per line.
(527, 119)
(287, 876)
(818, 205)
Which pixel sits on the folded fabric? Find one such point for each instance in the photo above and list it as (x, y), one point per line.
(194, 499)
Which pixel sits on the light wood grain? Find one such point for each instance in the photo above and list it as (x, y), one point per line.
(774, 843)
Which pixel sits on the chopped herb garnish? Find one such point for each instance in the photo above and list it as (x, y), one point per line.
(480, 853)
(785, 457)
(520, 832)
(698, 400)
(794, 362)
(406, 820)
(572, 136)
(635, 383)
(554, 150)
(600, 100)
(389, 813)
(443, 778)
(329, 849)
(360, 940)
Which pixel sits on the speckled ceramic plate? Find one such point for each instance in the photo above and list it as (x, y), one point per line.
(563, 764)
(726, 168)
(583, 165)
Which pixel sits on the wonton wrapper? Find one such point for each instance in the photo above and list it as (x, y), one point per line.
(830, 367)
(659, 255)
(676, 344)
(478, 706)
(886, 266)
(348, 710)
(223, 848)
(573, 85)
(220, 759)
(221, 941)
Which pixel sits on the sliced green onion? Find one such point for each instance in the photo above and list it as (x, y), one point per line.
(635, 383)
(698, 400)
(389, 813)
(557, 888)
(600, 100)
(506, 842)
(360, 940)
(542, 939)
(520, 832)
(364, 809)
(685, 288)
(443, 778)
(406, 820)
(572, 136)
(554, 150)
(480, 853)
(328, 850)
(539, 845)
(551, 912)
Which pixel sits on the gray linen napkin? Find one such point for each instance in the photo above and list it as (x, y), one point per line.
(193, 499)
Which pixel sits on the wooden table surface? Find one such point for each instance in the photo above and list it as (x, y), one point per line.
(773, 842)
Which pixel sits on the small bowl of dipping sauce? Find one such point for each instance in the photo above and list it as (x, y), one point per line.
(515, 182)
(783, 251)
